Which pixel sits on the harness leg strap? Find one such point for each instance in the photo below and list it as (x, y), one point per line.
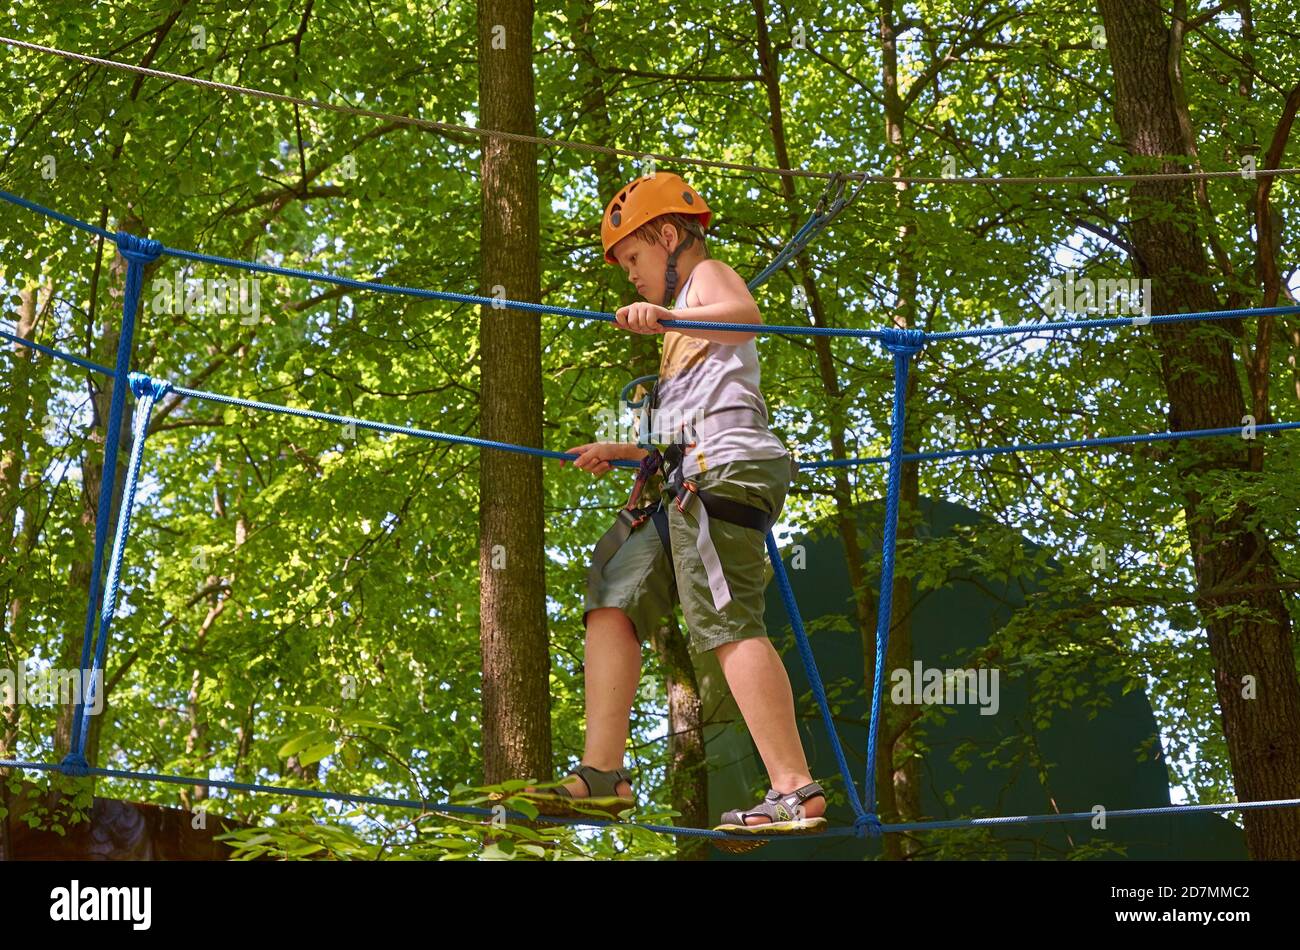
(660, 518)
(687, 500)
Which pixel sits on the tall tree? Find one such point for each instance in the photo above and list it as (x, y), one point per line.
(512, 603)
(1250, 634)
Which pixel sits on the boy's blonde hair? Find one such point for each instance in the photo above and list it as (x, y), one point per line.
(682, 223)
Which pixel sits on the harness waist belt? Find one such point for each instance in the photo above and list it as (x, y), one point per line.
(724, 509)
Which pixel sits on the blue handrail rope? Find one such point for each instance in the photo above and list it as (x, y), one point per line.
(900, 343)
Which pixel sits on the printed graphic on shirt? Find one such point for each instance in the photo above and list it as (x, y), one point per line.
(681, 353)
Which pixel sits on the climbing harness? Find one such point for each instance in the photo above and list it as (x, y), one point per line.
(689, 497)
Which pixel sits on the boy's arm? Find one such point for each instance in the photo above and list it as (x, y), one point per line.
(723, 298)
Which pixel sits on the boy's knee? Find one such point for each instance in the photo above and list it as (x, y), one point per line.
(615, 617)
(604, 615)
(723, 650)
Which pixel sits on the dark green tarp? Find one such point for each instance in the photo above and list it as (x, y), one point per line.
(1094, 761)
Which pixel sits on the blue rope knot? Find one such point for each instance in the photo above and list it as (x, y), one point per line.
(74, 764)
(138, 249)
(900, 340)
(143, 384)
(867, 825)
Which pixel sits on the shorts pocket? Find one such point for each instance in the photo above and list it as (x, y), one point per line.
(761, 484)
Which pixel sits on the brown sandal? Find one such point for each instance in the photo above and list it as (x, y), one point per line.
(601, 796)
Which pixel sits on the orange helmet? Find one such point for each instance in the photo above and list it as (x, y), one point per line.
(645, 199)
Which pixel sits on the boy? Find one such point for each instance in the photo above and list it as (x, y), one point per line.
(726, 479)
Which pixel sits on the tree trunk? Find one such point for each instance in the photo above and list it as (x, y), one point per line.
(687, 776)
(21, 420)
(516, 702)
(1250, 637)
(688, 785)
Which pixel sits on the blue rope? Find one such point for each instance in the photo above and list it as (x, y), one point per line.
(672, 324)
(138, 252)
(785, 254)
(441, 294)
(1090, 816)
(385, 426)
(56, 215)
(147, 392)
(57, 354)
(1047, 446)
(903, 344)
(623, 463)
(831, 203)
(348, 798)
(1103, 323)
(513, 304)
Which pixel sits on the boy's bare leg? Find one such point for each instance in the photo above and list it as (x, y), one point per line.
(758, 680)
(612, 665)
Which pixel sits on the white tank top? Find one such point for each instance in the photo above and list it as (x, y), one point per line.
(701, 375)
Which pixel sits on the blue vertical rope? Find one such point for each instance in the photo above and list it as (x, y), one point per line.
(139, 252)
(147, 392)
(903, 344)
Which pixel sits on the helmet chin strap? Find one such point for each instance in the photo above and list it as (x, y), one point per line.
(670, 274)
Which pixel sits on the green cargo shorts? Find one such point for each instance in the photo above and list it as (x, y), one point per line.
(639, 580)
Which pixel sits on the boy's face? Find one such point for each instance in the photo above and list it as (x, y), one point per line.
(645, 263)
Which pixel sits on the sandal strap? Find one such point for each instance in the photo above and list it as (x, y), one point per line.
(801, 795)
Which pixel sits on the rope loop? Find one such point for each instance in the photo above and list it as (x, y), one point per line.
(143, 384)
(900, 340)
(137, 249)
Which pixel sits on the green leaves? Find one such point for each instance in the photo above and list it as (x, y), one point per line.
(301, 741)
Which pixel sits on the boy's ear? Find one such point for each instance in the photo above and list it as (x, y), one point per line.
(668, 237)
